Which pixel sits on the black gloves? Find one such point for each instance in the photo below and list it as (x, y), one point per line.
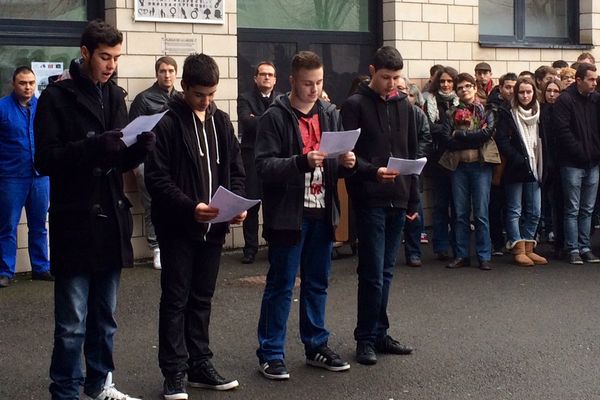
(146, 141)
(110, 142)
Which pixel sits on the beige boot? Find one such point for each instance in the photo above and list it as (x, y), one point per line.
(536, 258)
(518, 251)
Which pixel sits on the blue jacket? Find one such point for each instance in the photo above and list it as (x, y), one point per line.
(16, 138)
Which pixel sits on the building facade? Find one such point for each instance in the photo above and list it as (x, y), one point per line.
(511, 35)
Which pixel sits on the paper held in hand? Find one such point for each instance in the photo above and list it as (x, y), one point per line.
(406, 167)
(229, 205)
(338, 143)
(143, 123)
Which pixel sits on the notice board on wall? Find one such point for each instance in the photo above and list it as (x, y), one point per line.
(186, 11)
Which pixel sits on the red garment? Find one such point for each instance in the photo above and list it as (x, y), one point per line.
(310, 129)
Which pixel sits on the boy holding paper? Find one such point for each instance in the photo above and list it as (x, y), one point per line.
(196, 152)
(381, 198)
(300, 210)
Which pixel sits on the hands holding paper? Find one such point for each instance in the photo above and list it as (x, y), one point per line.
(347, 160)
(315, 159)
(206, 213)
(386, 175)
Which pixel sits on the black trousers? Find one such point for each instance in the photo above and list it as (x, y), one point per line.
(496, 215)
(188, 278)
(253, 191)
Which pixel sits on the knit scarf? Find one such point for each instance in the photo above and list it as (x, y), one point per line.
(431, 104)
(528, 127)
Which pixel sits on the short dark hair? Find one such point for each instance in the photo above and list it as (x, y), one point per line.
(98, 32)
(21, 69)
(524, 73)
(585, 55)
(435, 82)
(464, 77)
(510, 76)
(525, 80)
(388, 57)
(435, 68)
(542, 71)
(200, 69)
(306, 60)
(165, 60)
(583, 69)
(560, 64)
(264, 62)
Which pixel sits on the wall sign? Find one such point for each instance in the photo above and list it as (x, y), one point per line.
(186, 11)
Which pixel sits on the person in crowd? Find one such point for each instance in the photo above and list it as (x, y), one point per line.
(576, 124)
(22, 185)
(543, 74)
(432, 72)
(152, 101)
(250, 106)
(358, 79)
(519, 142)
(413, 229)
(442, 98)
(301, 211)
(552, 194)
(78, 144)
(559, 65)
(500, 97)
(525, 73)
(470, 155)
(196, 152)
(485, 84)
(382, 199)
(586, 57)
(567, 76)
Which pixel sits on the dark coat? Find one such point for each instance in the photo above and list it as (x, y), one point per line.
(250, 106)
(512, 149)
(576, 122)
(387, 130)
(90, 222)
(178, 172)
(150, 101)
(281, 165)
(550, 148)
(439, 136)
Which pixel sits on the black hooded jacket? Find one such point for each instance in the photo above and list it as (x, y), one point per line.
(190, 161)
(387, 130)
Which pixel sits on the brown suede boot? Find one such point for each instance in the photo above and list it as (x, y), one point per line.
(518, 252)
(536, 258)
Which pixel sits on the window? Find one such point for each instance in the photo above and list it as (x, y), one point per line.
(528, 23)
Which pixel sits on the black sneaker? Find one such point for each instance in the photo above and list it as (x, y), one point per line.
(5, 281)
(274, 369)
(42, 276)
(324, 357)
(204, 375)
(575, 258)
(174, 387)
(590, 257)
(365, 353)
(388, 345)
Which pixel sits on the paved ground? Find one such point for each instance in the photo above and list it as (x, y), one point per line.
(511, 333)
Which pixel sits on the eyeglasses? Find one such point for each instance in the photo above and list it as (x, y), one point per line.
(467, 86)
(266, 74)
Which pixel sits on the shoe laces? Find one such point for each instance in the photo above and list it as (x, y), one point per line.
(177, 381)
(211, 372)
(110, 392)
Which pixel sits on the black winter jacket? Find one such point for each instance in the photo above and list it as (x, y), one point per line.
(576, 122)
(90, 222)
(281, 165)
(438, 139)
(151, 101)
(249, 108)
(387, 130)
(179, 174)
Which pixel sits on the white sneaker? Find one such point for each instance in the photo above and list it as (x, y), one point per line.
(110, 392)
(156, 258)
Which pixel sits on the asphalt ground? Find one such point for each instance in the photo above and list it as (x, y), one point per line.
(510, 333)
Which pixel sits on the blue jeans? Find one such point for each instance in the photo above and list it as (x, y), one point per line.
(524, 197)
(412, 235)
(579, 187)
(31, 193)
(471, 185)
(443, 215)
(313, 255)
(379, 239)
(84, 307)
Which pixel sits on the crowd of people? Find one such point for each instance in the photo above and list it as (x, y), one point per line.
(501, 158)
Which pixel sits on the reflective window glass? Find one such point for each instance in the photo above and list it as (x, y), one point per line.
(546, 18)
(496, 17)
(51, 10)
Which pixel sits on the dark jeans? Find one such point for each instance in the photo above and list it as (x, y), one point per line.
(379, 239)
(188, 278)
(84, 307)
(412, 235)
(253, 191)
(443, 238)
(147, 203)
(313, 255)
(497, 212)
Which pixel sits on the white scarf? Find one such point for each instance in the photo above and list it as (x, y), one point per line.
(431, 104)
(528, 127)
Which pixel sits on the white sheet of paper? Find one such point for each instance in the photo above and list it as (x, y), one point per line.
(229, 205)
(143, 123)
(406, 167)
(338, 143)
